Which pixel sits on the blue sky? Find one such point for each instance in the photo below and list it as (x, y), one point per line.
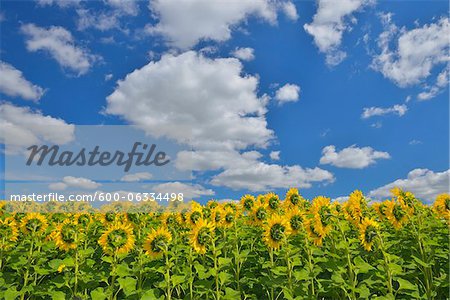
(311, 72)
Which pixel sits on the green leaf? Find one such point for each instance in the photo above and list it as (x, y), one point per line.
(177, 279)
(406, 285)
(128, 285)
(98, 294)
(361, 265)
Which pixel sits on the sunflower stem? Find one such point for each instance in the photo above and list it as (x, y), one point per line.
(386, 265)
(169, 291)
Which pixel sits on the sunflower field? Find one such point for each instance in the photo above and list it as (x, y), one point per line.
(260, 247)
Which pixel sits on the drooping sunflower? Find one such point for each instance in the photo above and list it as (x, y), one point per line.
(367, 233)
(293, 198)
(273, 201)
(259, 214)
(229, 217)
(34, 223)
(353, 207)
(201, 235)
(380, 209)
(157, 241)
(321, 211)
(406, 199)
(117, 238)
(442, 206)
(170, 219)
(217, 216)
(311, 226)
(247, 202)
(395, 213)
(66, 235)
(109, 218)
(83, 219)
(295, 217)
(276, 231)
(8, 233)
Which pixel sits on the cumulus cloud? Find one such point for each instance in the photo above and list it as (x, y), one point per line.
(136, 177)
(287, 93)
(329, 24)
(14, 84)
(60, 45)
(184, 23)
(290, 10)
(432, 91)
(21, 127)
(418, 51)
(425, 184)
(163, 98)
(351, 157)
(190, 191)
(275, 155)
(245, 54)
(259, 176)
(75, 182)
(397, 109)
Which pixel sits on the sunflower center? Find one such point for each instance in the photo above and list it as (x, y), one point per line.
(203, 236)
(273, 202)
(398, 212)
(295, 199)
(229, 218)
(370, 234)
(296, 222)
(195, 216)
(217, 217)
(261, 214)
(277, 232)
(158, 243)
(117, 238)
(248, 204)
(68, 233)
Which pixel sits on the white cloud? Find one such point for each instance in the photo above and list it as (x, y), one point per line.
(76, 182)
(245, 54)
(340, 199)
(397, 109)
(287, 93)
(189, 191)
(329, 24)
(232, 117)
(60, 3)
(185, 23)
(275, 155)
(418, 51)
(108, 77)
(163, 98)
(424, 183)
(437, 88)
(125, 7)
(136, 177)
(14, 84)
(351, 157)
(290, 10)
(60, 44)
(259, 176)
(21, 127)
(415, 142)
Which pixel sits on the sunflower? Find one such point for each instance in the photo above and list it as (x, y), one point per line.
(83, 219)
(321, 211)
(34, 223)
(259, 214)
(273, 201)
(353, 207)
(109, 218)
(170, 219)
(396, 214)
(380, 209)
(261, 198)
(229, 217)
(66, 236)
(212, 204)
(157, 241)
(247, 202)
(293, 198)
(367, 233)
(295, 217)
(406, 199)
(217, 216)
(201, 235)
(312, 232)
(442, 206)
(118, 238)
(8, 233)
(276, 231)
